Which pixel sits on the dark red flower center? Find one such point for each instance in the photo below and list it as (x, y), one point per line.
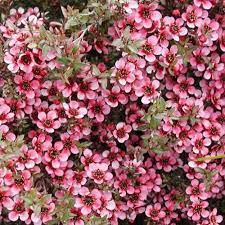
(19, 207)
(121, 133)
(98, 174)
(53, 153)
(88, 200)
(122, 73)
(26, 85)
(191, 17)
(26, 59)
(198, 209)
(48, 123)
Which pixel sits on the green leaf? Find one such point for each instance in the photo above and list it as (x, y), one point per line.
(75, 49)
(154, 123)
(160, 105)
(118, 43)
(77, 65)
(67, 75)
(64, 60)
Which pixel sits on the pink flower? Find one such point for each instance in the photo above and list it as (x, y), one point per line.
(165, 161)
(48, 121)
(124, 72)
(77, 218)
(19, 181)
(6, 200)
(155, 212)
(184, 86)
(213, 130)
(41, 143)
(98, 109)
(99, 173)
(89, 201)
(45, 214)
(197, 60)
(200, 144)
(87, 89)
(90, 157)
(114, 97)
(108, 205)
(148, 91)
(147, 14)
(170, 55)
(73, 110)
(129, 5)
(222, 41)
(112, 157)
(208, 32)
(19, 211)
(150, 49)
(205, 3)
(121, 133)
(193, 16)
(197, 191)
(26, 62)
(12, 62)
(215, 219)
(175, 27)
(68, 142)
(198, 210)
(124, 185)
(28, 160)
(26, 85)
(56, 155)
(5, 114)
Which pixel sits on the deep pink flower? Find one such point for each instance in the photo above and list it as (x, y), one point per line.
(155, 212)
(48, 121)
(208, 31)
(147, 14)
(74, 110)
(90, 157)
(124, 72)
(5, 114)
(114, 97)
(98, 109)
(148, 91)
(124, 185)
(26, 85)
(197, 60)
(19, 211)
(198, 210)
(121, 133)
(205, 3)
(193, 16)
(215, 219)
(26, 62)
(213, 130)
(57, 155)
(89, 201)
(197, 191)
(176, 27)
(150, 49)
(184, 86)
(87, 89)
(200, 144)
(5, 198)
(165, 161)
(99, 173)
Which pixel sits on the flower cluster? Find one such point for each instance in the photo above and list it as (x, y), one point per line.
(113, 114)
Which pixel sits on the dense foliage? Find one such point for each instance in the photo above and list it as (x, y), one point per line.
(112, 112)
